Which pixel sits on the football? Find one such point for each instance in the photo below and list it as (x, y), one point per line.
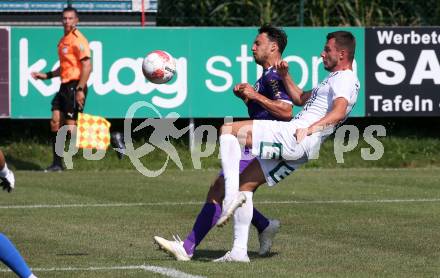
(159, 66)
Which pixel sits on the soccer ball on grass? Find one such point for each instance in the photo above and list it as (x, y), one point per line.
(159, 66)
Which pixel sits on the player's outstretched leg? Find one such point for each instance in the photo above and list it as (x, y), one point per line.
(230, 152)
(229, 207)
(206, 219)
(10, 256)
(184, 250)
(209, 215)
(204, 222)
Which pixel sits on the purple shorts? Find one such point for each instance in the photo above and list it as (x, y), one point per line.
(246, 159)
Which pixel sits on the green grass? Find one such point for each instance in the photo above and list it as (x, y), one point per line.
(317, 239)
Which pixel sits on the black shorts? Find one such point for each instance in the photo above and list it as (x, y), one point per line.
(65, 100)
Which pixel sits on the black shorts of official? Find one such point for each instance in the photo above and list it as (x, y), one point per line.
(65, 100)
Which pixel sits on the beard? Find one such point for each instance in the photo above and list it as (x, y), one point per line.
(257, 60)
(330, 65)
(260, 60)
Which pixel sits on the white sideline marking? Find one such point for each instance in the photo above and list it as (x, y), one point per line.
(378, 201)
(353, 201)
(170, 272)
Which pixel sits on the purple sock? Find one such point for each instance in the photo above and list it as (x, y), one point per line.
(206, 219)
(259, 221)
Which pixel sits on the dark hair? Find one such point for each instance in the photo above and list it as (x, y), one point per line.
(70, 9)
(275, 35)
(344, 40)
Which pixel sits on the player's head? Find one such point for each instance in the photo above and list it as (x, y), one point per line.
(270, 41)
(275, 35)
(70, 19)
(339, 50)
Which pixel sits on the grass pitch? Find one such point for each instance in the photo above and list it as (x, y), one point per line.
(335, 222)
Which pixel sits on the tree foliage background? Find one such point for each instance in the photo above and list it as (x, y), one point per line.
(297, 13)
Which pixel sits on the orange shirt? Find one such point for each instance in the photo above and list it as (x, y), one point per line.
(72, 48)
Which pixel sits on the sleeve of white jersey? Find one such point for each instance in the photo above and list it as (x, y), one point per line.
(341, 85)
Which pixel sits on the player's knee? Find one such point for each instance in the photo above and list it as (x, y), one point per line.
(216, 191)
(249, 186)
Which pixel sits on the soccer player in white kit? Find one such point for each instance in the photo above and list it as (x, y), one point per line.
(281, 147)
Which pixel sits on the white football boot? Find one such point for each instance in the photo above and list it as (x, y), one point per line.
(267, 235)
(173, 247)
(229, 207)
(228, 257)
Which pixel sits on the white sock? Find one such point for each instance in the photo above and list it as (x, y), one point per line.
(230, 152)
(4, 171)
(242, 221)
(32, 276)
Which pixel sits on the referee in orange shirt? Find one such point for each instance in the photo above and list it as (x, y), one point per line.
(74, 71)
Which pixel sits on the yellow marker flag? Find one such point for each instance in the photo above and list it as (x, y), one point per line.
(93, 132)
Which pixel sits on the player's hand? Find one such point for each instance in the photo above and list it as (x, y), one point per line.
(80, 98)
(247, 91)
(301, 133)
(236, 90)
(282, 68)
(239, 93)
(38, 75)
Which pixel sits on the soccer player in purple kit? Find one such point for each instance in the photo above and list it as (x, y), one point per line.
(270, 102)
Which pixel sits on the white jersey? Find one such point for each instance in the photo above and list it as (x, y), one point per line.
(342, 83)
(274, 143)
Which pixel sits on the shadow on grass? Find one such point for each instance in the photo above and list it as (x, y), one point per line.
(209, 255)
(20, 164)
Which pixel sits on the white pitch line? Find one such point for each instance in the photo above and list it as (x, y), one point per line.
(378, 201)
(292, 202)
(99, 205)
(169, 272)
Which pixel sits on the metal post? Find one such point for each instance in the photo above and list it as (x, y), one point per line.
(301, 12)
(191, 135)
(143, 13)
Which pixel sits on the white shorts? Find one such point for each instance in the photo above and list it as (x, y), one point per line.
(274, 144)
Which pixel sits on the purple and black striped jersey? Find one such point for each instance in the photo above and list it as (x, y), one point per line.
(271, 86)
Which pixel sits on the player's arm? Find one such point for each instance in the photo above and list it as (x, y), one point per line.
(278, 108)
(298, 96)
(86, 66)
(82, 51)
(46, 75)
(86, 70)
(331, 119)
